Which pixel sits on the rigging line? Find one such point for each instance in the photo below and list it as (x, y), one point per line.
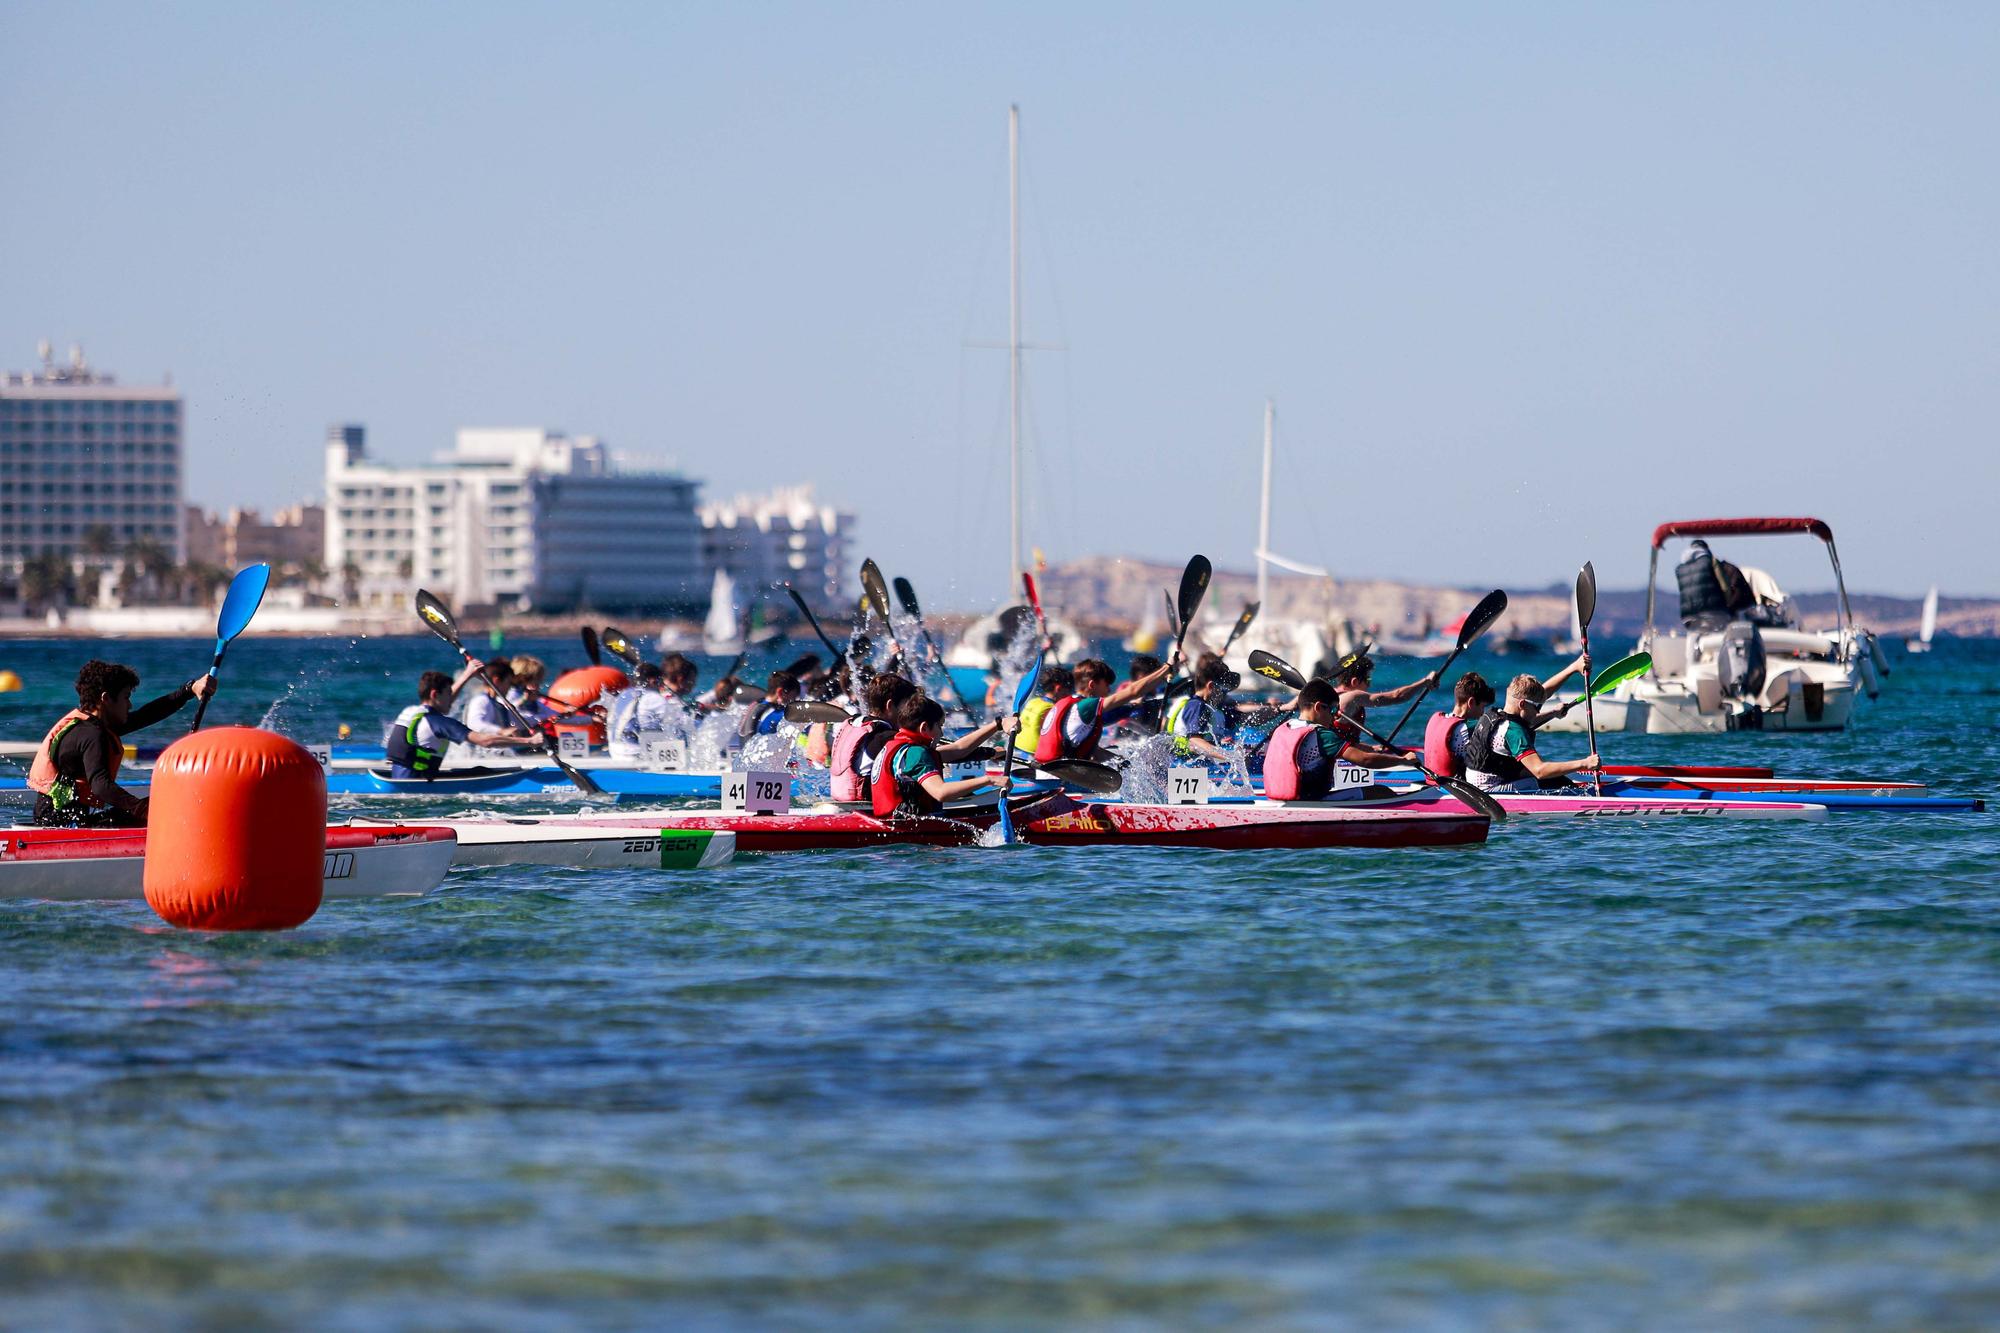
(1312, 524)
(1039, 230)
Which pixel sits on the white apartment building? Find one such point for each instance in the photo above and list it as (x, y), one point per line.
(88, 466)
(783, 537)
(523, 518)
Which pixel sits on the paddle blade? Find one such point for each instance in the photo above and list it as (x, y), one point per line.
(805, 666)
(1472, 796)
(1624, 669)
(1194, 586)
(906, 597)
(620, 647)
(590, 648)
(1028, 586)
(246, 591)
(810, 712)
(1099, 779)
(1243, 621)
(438, 617)
(1173, 617)
(1025, 690)
(1586, 594)
(1273, 667)
(1480, 618)
(875, 589)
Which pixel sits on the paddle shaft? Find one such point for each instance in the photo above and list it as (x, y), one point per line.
(1590, 709)
(583, 781)
(1423, 694)
(813, 620)
(201, 708)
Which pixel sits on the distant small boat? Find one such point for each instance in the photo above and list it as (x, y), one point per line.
(722, 632)
(1922, 643)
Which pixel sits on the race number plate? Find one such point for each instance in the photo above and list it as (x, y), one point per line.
(757, 793)
(573, 746)
(1350, 779)
(322, 754)
(1188, 784)
(660, 750)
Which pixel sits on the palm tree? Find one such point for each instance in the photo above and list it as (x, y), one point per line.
(47, 579)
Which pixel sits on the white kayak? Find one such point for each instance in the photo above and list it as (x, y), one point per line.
(518, 842)
(78, 865)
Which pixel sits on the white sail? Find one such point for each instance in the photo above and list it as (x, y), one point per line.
(1930, 615)
(722, 631)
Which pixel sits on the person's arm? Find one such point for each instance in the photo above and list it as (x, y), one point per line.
(746, 726)
(1402, 692)
(1208, 749)
(1367, 756)
(465, 675)
(1134, 689)
(942, 791)
(94, 761)
(951, 752)
(168, 704)
(1547, 768)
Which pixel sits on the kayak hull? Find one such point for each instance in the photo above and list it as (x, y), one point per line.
(497, 842)
(76, 865)
(1263, 825)
(1584, 805)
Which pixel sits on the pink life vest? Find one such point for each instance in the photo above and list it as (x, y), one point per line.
(1437, 745)
(1053, 745)
(846, 783)
(1281, 760)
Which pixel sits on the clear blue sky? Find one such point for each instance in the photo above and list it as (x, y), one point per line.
(1524, 280)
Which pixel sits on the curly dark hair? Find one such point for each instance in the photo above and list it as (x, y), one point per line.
(100, 679)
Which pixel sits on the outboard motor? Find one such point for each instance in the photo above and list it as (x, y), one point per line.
(1739, 662)
(1702, 602)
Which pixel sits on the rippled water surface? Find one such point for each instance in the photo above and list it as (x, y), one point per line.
(1594, 1075)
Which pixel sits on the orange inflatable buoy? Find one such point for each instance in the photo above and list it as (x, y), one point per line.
(236, 832)
(581, 687)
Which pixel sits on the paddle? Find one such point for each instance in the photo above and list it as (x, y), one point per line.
(876, 591)
(802, 668)
(620, 646)
(239, 604)
(433, 613)
(906, 594)
(1242, 623)
(812, 711)
(1024, 691)
(1102, 779)
(1477, 621)
(1035, 602)
(813, 620)
(1173, 620)
(1586, 606)
(1273, 667)
(590, 647)
(1609, 679)
(1194, 586)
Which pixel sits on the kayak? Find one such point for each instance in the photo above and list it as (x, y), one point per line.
(549, 781)
(523, 842)
(1586, 805)
(1059, 820)
(81, 864)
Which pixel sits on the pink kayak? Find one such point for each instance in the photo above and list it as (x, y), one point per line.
(1583, 805)
(81, 864)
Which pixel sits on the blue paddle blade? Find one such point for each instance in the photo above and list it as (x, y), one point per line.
(1026, 689)
(246, 592)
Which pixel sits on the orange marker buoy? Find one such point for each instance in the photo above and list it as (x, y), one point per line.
(236, 834)
(582, 686)
(9, 682)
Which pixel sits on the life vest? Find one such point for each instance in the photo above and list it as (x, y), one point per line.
(891, 796)
(61, 791)
(765, 709)
(847, 783)
(1700, 589)
(1032, 714)
(401, 748)
(1347, 725)
(1175, 712)
(1438, 757)
(1480, 756)
(1053, 746)
(1281, 759)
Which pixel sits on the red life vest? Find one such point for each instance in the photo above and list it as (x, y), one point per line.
(1281, 760)
(42, 775)
(1053, 745)
(1437, 745)
(846, 782)
(890, 796)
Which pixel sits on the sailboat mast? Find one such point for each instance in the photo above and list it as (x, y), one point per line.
(1014, 345)
(1264, 508)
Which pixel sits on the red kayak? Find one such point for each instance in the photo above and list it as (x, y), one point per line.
(1686, 771)
(78, 864)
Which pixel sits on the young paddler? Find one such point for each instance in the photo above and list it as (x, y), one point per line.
(423, 732)
(1072, 727)
(1300, 757)
(1199, 721)
(857, 744)
(764, 717)
(909, 772)
(1499, 752)
(1054, 683)
(75, 768)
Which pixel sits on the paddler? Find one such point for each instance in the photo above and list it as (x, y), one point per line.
(1500, 754)
(909, 773)
(1353, 682)
(765, 716)
(1072, 728)
(76, 766)
(530, 673)
(644, 707)
(1299, 758)
(1199, 721)
(484, 709)
(1054, 683)
(1142, 716)
(423, 732)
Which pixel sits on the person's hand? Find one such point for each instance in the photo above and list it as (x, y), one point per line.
(1414, 756)
(1003, 784)
(143, 808)
(1435, 679)
(1010, 722)
(202, 686)
(1592, 761)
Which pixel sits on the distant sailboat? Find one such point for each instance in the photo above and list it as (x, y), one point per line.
(1922, 643)
(722, 632)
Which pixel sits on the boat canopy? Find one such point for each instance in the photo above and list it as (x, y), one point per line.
(1739, 527)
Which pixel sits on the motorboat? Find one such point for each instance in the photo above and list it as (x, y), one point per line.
(1741, 659)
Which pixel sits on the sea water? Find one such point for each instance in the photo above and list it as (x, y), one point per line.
(1687, 1074)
